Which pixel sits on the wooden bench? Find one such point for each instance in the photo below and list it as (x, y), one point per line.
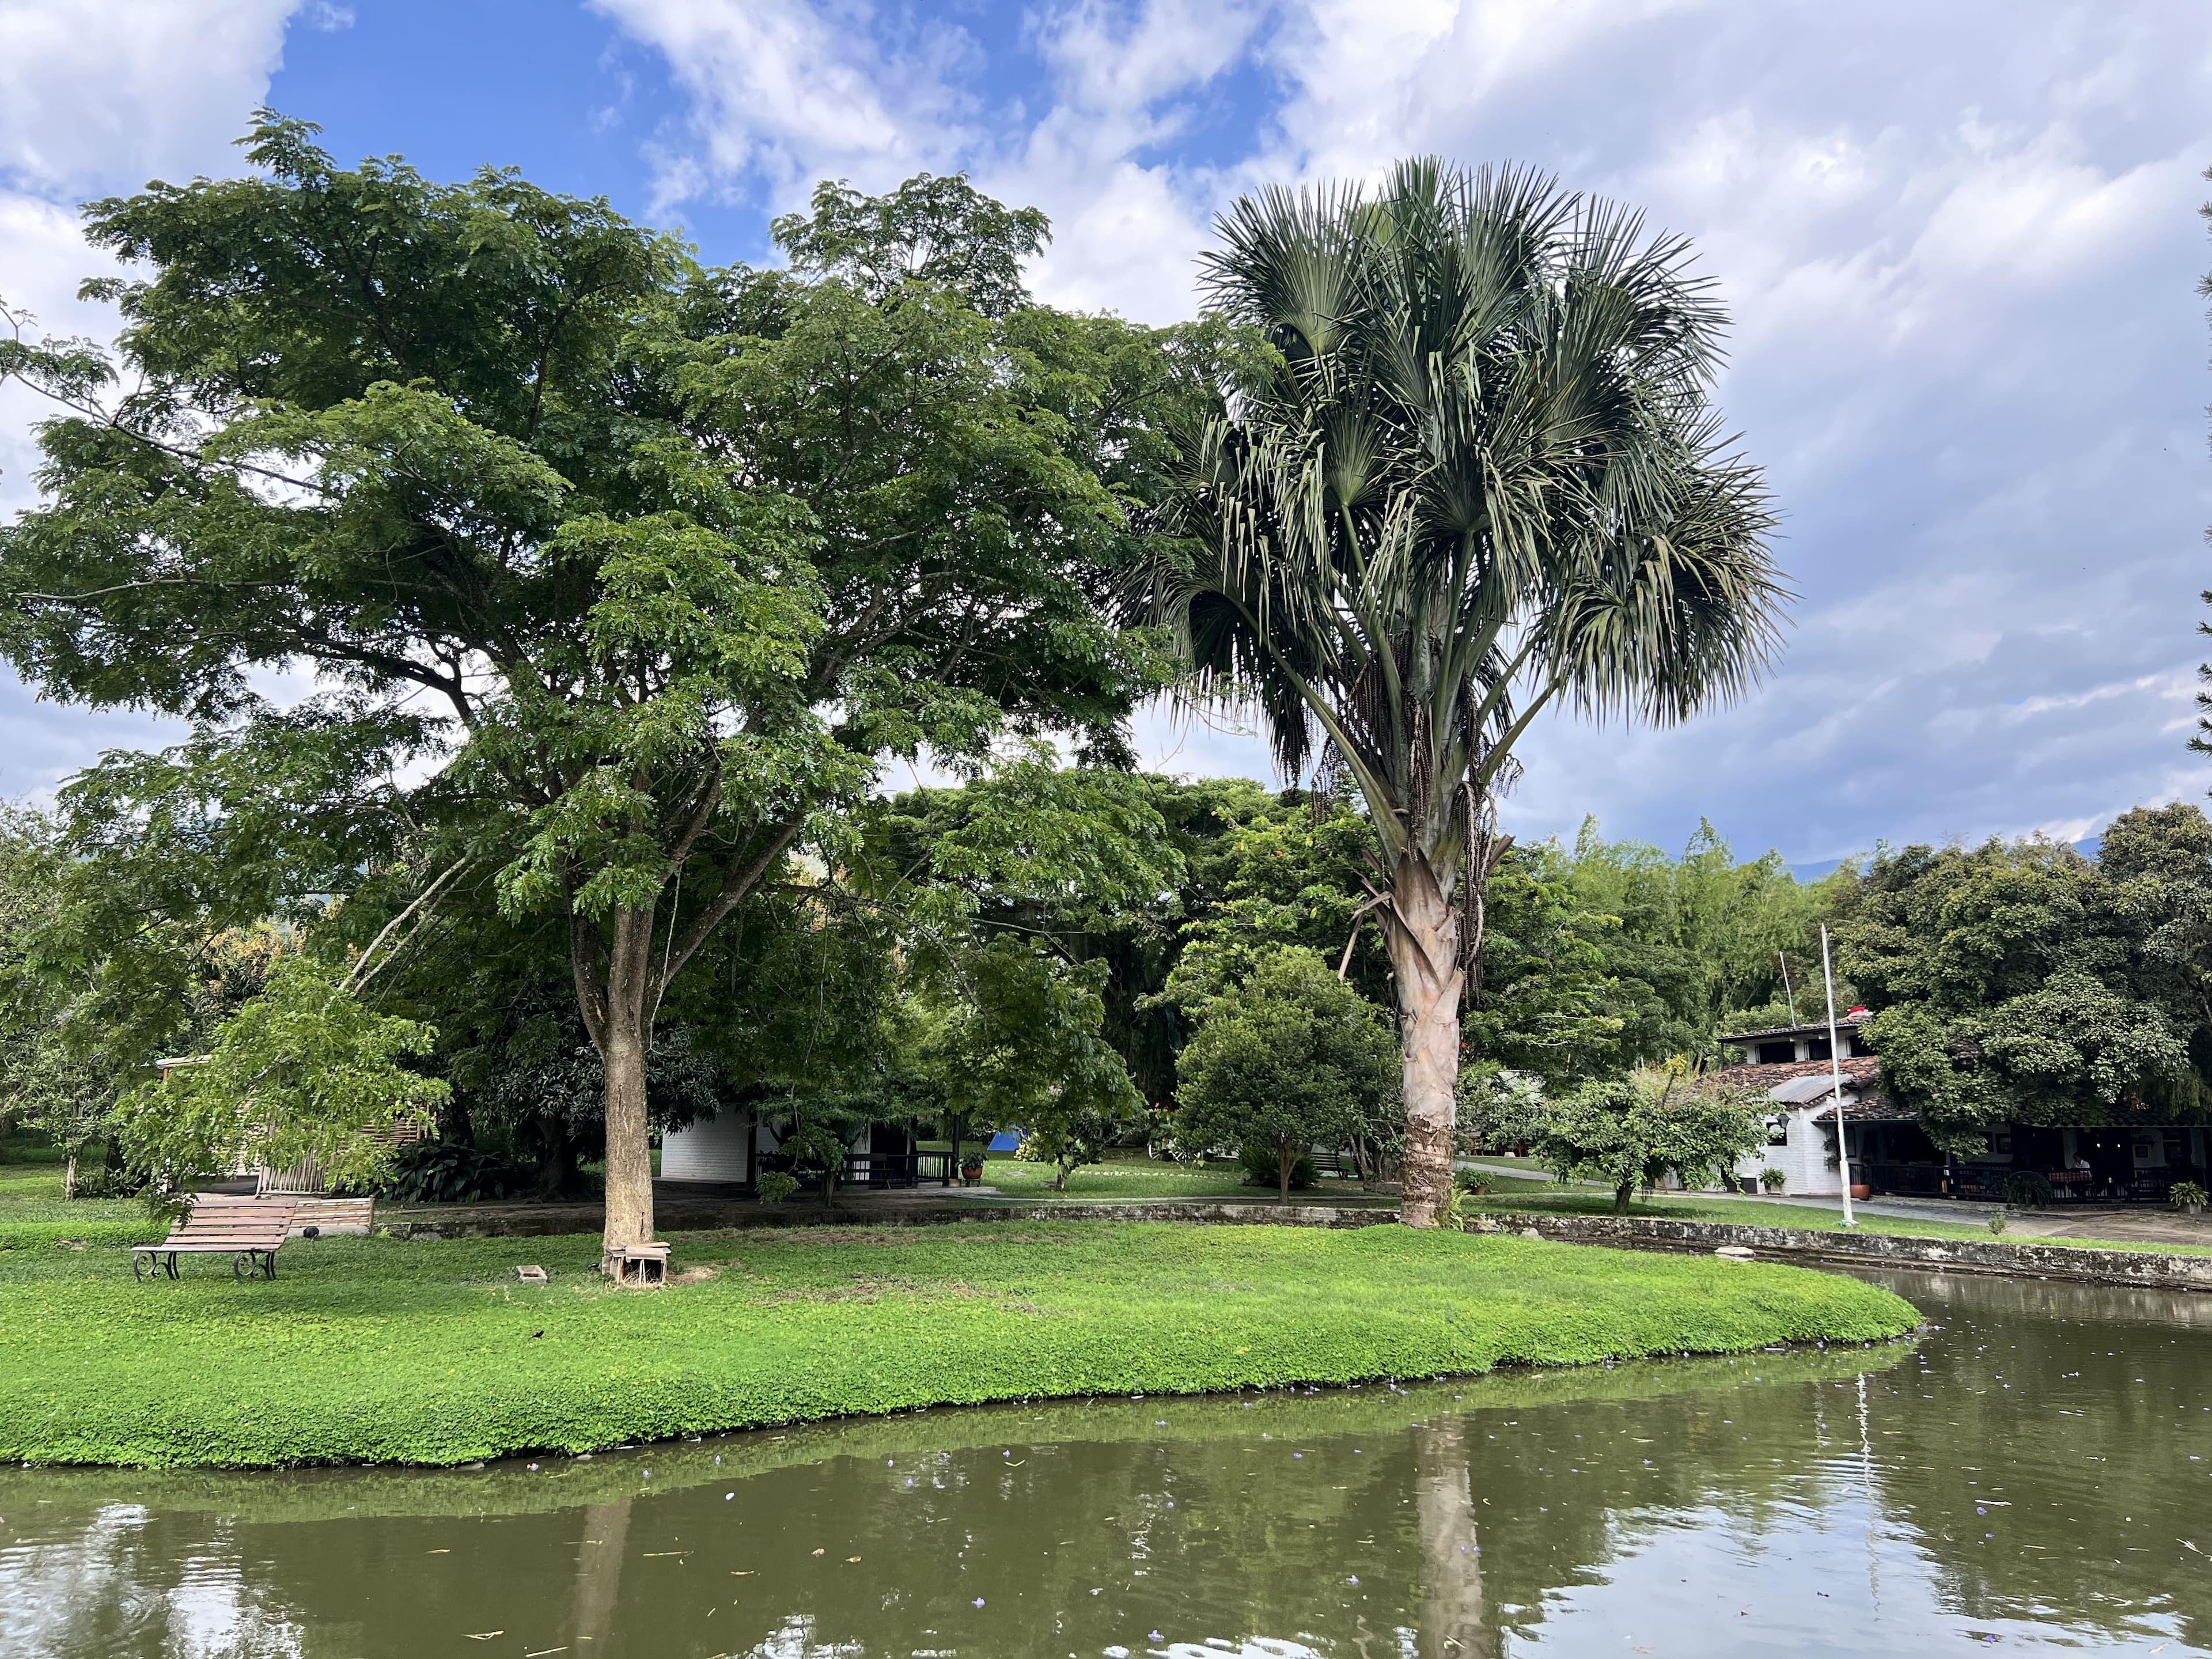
(250, 1234)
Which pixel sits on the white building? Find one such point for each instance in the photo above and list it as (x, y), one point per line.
(1789, 1064)
(732, 1147)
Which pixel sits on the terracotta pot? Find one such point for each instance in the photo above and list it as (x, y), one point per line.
(1861, 1192)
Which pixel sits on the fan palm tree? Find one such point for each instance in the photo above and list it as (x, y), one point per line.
(1477, 475)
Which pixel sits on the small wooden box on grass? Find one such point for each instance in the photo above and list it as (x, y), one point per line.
(532, 1275)
(638, 1264)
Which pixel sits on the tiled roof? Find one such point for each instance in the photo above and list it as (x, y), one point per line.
(1861, 1077)
(1815, 1029)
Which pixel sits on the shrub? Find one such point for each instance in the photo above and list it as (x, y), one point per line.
(775, 1186)
(2026, 1189)
(2187, 1193)
(447, 1172)
(1261, 1168)
(1472, 1183)
(1998, 1222)
(97, 1181)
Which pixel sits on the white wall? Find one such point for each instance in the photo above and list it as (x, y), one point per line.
(1803, 1157)
(713, 1149)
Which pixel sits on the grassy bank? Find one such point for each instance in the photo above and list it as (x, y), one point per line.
(375, 1349)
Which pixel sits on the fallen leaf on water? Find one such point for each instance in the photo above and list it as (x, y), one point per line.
(852, 1557)
(654, 1555)
(484, 1635)
(742, 1572)
(542, 1652)
(437, 1551)
(817, 1552)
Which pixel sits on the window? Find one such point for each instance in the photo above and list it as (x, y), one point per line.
(1777, 1054)
(1777, 1131)
(1817, 1049)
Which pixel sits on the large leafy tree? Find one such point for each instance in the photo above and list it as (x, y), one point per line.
(1479, 474)
(2021, 982)
(617, 575)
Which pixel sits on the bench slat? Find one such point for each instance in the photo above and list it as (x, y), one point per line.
(209, 1229)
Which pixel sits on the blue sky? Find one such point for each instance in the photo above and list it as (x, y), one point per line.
(1961, 242)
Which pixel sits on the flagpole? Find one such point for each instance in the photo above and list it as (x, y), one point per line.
(1836, 1080)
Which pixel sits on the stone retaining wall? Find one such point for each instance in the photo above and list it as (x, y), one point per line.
(2022, 1261)
(2141, 1268)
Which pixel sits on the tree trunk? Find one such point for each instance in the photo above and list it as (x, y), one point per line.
(1283, 1165)
(1425, 960)
(69, 1177)
(1620, 1197)
(623, 1039)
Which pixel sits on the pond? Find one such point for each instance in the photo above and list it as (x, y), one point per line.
(2036, 1470)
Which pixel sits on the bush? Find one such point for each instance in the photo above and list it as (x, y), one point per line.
(2026, 1189)
(775, 1186)
(2185, 1194)
(1999, 1221)
(447, 1172)
(1472, 1183)
(1262, 1168)
(97, 1181)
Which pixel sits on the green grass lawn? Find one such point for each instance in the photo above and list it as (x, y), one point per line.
(34, 1215)
(376, 1350)
(1136, 1177)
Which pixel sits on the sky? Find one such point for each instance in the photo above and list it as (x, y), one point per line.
(1959, 241)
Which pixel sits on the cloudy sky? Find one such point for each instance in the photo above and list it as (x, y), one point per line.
(1959, 239)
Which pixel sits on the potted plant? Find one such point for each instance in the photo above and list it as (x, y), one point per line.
(972, 1169)
(1773, 1180)
(2187, 1197)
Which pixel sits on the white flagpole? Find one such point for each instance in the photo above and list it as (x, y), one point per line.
(1836, 1080)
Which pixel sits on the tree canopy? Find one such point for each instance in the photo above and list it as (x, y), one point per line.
(2021, 982)
(618, 575)
(1287, 1058)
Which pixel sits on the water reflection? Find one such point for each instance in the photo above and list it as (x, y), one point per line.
(2031, 1474)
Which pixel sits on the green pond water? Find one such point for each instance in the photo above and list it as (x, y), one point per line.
(2035, 1471)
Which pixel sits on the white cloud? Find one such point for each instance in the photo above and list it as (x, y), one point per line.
(783, 93)
(98, 95)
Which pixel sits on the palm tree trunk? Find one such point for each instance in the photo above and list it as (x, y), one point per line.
(1424, 957)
